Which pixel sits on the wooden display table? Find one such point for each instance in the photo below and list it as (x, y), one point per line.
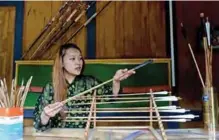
(78, 134)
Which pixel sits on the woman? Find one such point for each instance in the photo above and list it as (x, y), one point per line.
(68, 81)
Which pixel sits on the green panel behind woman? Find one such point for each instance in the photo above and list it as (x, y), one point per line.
(68, 80)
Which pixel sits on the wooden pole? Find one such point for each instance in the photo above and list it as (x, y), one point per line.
(151, 109)
(89, 117)
(138, 108)
(131, 111)
(75, 21)
(106, 82)
(12, 98)
(123, 98)
(134, 94)
(193, 56)
(69, 23)
(46, 27)
(54, 29)
(134, 101)
(187, 116)
(160, 123)
(164, 120)
(88, 21)
(95, 109)
(26, 91)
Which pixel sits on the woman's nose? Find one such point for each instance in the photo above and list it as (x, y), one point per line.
(77, 61)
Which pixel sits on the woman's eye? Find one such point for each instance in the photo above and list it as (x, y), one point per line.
(72, 58)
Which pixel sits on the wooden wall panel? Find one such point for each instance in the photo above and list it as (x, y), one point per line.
(137, 27)
(104, 22)
(156, 24)
(100, 33)
(131, 29)
(128, 30)
(7, 31)
(119, 22)
(123, 29)
(81, 38)
(189, 85)
(37, 15)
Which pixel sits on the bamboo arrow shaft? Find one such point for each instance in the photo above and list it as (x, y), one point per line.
(65, 28)
(137, 108)
(193, 56)
(88, 21)
(132, 108)
(106, 82)
(89, 90)
(190, 116)
(133, 94)
(126, 98)
(128, 111)
(133, 101)
(165, 120)
(46, 28)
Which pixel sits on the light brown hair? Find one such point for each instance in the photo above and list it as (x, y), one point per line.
(58, 78)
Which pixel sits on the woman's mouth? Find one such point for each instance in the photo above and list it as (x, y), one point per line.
(78, 68)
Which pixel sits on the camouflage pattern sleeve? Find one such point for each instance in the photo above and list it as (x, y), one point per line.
(106, 89)
(45, 98)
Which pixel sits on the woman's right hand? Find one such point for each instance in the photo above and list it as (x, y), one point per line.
(50, 111)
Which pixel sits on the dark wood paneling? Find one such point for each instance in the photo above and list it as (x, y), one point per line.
(37, 14)
(123, 29)
(189, 85)
(105, 30)
(131, 29)
(7, 24)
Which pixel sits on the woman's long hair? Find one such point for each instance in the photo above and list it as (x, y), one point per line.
(58, 78)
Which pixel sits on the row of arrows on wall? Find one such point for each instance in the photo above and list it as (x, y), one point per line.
(68, 16)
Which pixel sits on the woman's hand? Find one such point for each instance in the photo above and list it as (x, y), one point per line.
(122, 74)
(119, 76)
(50, 111)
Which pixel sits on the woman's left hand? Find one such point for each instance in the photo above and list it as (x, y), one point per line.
(122, 74)
(119, 76)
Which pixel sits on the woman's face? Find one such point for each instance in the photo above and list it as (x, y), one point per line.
(73, 61)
